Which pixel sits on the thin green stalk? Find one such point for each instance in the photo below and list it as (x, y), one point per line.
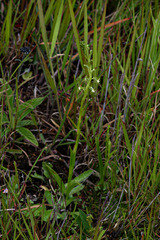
(73, 152)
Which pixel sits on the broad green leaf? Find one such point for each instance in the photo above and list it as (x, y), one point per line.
(26, 107)
(47, 215)
(69, 200)
(76, 189)
(27, 134)
(50, 173)
(49, 197)
(23, 123)
(83, 176)
(38, 176)
(27, 75)
(69, 187)
(74, 186)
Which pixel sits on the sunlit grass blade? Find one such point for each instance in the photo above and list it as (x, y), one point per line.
(8, 24)
(66, 55)
(76, 34)
(100, 45)
(49, 11)
(43, 28)
(85, 23)
(88, 59)
(95, 51)
(55, 30)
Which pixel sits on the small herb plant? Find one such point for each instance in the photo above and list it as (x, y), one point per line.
(13, 116)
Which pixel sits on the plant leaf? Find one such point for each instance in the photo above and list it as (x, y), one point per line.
(83, 176)
(56, 28)
(76, 189)
(76, 34)
(25, 108)
(50, 173)
(83, 218)
(27, 134)
(25, 123)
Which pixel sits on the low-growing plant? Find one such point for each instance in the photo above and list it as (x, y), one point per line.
(69, 189)
(13, 117)
(101, 71)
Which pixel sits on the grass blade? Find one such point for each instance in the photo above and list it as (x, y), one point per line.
(76, 34)
(56, 28)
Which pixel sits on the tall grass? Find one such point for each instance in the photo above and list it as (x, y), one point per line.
(100, 130)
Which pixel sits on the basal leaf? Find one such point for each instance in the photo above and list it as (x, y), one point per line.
(50, 173)
(82, 177)
(25, 108)
(27, 134)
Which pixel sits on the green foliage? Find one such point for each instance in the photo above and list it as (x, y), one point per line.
(72, 187)
(99, 74)
(14, 121)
